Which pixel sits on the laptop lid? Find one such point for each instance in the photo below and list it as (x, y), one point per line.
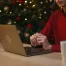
(10, 39)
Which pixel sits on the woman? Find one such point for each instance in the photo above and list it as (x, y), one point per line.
(55, 25)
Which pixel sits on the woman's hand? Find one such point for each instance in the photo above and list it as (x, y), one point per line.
(33, 39)
(42, 40)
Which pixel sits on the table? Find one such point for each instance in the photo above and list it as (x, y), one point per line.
(10, 59)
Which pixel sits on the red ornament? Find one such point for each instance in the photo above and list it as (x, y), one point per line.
(20, 1)
(17, 18)
(29, 26)
(13, 2)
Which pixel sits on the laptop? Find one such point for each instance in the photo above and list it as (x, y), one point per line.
(12, 43)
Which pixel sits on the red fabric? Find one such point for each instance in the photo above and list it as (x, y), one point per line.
(56, 26)
(56, 48)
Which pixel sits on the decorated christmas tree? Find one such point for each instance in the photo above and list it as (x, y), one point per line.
(29, 16)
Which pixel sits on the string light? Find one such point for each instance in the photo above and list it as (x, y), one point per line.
(25, 19)
(20, 4)
(25, 1)
(50, 0)
(0, 11)
(10, 12)
(33, 5)
(14, 22)
(30, 2)
(40, 17)
(45, 12)
(41, 2)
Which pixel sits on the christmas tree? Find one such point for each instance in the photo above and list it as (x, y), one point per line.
(29, 16)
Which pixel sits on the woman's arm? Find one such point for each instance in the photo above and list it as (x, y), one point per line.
(48, 29)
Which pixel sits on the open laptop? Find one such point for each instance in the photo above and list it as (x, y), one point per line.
(12, 43)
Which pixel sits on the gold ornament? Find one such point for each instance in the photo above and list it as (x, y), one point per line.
(6, 8)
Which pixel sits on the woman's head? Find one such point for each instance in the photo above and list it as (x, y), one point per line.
(61, 3)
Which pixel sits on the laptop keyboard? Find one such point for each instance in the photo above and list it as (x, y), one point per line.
(35, 51)
(28, 50)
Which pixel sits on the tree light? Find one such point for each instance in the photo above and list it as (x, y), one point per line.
(19, 4)
(14, 22)
(40, 17)
(25, 19)
(50, 0)
(33, 5)
(0, 11)
(41, 2)
(25, 1)
(45, 12)
(10, 12)
(30, 1)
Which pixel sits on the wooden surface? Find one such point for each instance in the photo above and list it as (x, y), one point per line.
(10, 59)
